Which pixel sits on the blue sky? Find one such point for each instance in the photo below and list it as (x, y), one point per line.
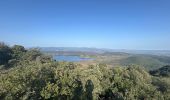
(115, 24)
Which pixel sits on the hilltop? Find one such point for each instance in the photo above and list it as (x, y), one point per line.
(29, 74)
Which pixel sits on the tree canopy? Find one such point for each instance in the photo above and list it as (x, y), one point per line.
(33, 75)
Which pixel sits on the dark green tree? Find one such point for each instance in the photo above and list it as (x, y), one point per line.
(5, 53)
(89, 90)
(18, 51)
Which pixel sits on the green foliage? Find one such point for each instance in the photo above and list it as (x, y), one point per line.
(34, 76)
(31, 55)
(130, 83)
(5, 54)
(163, 85)
(163, 71)
(50, 91)
(148, 62)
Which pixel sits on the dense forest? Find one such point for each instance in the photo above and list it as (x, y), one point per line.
(31, 75)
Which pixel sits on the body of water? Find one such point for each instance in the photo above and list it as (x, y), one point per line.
(70, 58)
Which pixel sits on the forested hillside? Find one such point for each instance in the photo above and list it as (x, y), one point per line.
(163, 71)
(31, 75)
(149, 62)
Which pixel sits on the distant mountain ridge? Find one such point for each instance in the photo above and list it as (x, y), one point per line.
(80, 49)
(103, 50)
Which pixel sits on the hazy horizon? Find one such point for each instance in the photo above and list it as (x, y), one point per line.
(111, 24)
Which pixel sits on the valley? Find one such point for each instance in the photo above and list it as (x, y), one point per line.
(112, 58)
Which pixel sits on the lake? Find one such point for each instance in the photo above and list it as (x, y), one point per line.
(70, 58)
